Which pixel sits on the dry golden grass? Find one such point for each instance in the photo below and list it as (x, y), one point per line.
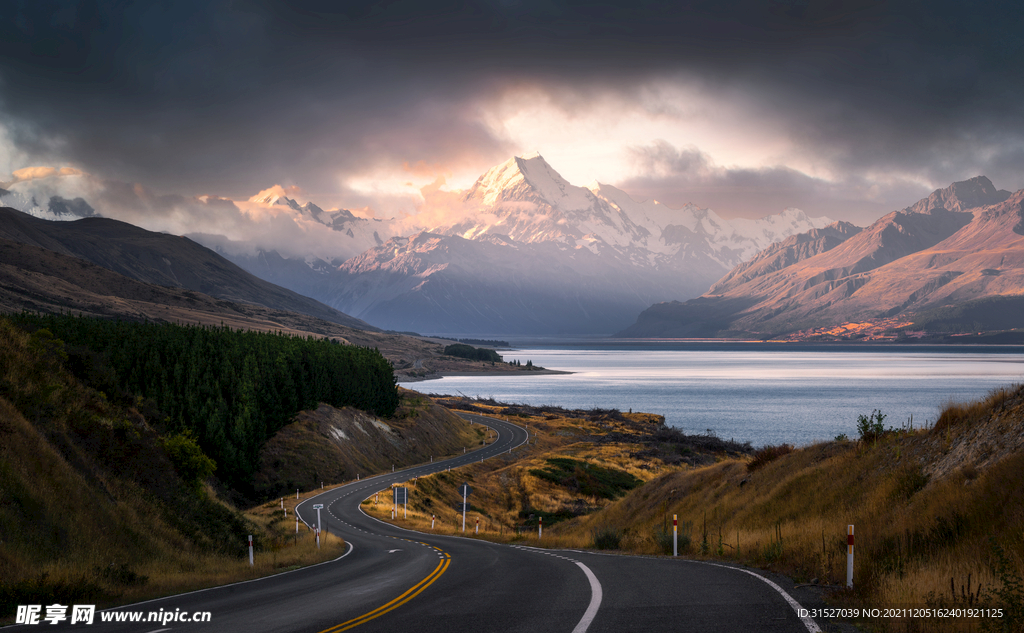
(919, 529)
(72, 527)
(503, 487)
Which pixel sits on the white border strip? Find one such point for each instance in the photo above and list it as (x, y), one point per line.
(595, 600)
(811, 625)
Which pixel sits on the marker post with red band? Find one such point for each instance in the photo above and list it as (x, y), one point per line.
(251, 563)
(675, 535)
(849, 556)
(540, 527)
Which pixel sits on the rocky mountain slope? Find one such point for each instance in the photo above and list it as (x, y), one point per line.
(961, 244)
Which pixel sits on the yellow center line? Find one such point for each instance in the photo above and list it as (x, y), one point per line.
(394, 604)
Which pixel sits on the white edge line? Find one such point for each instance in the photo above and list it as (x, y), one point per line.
(595, 600)
(233, 584)
(811, 625)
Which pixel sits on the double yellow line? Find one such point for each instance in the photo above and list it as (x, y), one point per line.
(397, 602)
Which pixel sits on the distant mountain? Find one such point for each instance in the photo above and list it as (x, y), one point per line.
(523, 251)
(55, 207)
(160, 259)
(534, 254)
(526, 200)
(961, 244)
(362, 233)
(440, 283)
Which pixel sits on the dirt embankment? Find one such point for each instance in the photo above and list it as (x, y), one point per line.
(334, 445)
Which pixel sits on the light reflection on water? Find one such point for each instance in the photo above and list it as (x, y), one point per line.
(765, 397)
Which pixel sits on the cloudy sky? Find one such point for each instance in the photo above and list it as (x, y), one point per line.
(845, 108)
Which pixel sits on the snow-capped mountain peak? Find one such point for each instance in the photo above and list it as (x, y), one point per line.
(528, 178)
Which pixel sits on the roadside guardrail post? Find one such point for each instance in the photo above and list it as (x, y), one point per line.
(849, 556)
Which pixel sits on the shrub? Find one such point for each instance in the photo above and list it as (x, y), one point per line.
(473, 353)
(587, 479)
(1009, 596)
(768, 454)
(191, 464)
(607, 538)
(870, 427)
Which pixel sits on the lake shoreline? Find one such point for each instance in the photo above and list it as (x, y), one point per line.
(509, 374)
(765, 394)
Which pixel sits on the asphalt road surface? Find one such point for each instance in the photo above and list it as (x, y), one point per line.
(397, 581)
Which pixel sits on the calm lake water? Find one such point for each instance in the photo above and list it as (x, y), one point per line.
(753, 392)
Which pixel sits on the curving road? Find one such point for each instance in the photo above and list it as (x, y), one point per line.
(395, 580)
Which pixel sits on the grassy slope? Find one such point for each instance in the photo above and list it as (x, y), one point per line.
(576, 463)
(92, 510)
(931, 507)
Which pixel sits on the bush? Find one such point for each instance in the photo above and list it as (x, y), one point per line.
(191, 464)
(1009, 596)
(768, 454)
(607, 538)
(472, 353)
(587, 479)
(870, 427)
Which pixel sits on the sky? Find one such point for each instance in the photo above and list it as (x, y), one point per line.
(844, 108)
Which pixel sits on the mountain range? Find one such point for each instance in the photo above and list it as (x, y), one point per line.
(959, 246)
(528, 253)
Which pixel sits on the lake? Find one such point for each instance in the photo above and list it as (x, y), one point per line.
(748, 392)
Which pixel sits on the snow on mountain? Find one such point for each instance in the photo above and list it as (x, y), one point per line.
(538, 255)
(954, 259)
(56, 208)
(525, 199)
(351, 234)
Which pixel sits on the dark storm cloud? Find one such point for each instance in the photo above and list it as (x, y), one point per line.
(231, 96)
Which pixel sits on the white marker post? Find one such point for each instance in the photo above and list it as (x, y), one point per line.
(282, 502)
(540, 527)
(250, 551)
(465, 490)
(285, 512)
(431, 521)
(317, 506)
(296, 494)
(321, 485)
(675, 535)
(478, 525)
(849, 556)
(296, 522)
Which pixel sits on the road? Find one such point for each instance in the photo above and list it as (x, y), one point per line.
(395, 580)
